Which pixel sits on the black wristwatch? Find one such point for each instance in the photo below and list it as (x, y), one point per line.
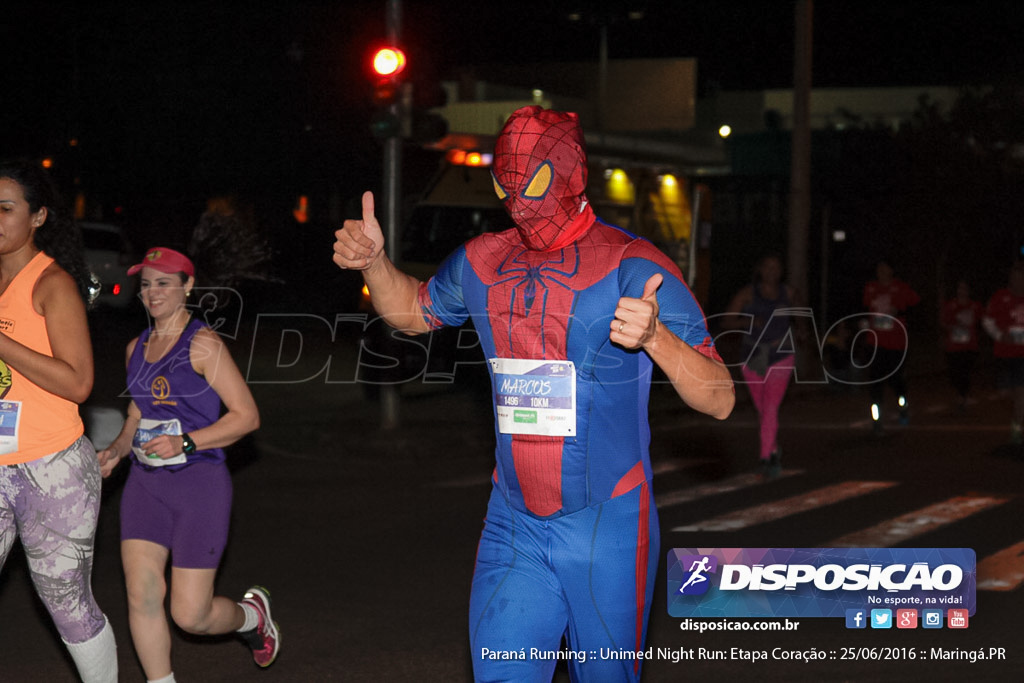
(188, 446)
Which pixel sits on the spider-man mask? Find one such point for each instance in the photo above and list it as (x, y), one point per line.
(540, 175)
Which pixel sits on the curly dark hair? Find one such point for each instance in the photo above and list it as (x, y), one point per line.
(59, 236)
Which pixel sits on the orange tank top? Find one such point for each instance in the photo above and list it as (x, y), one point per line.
(33, 422)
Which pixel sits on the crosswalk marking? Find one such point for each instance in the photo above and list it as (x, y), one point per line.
(745, 420)
(856, 425)
(915, 523)
(740, 481)
(1003, 571)
(768, 512)
(864, 424)
(673, 464)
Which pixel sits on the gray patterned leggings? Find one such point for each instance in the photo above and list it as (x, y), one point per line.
(53, 504)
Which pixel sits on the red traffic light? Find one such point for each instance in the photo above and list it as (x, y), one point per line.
(388, 61)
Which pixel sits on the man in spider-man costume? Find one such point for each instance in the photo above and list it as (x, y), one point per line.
(571, 313)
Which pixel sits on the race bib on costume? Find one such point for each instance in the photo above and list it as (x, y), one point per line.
(535, 396)
(147, 431)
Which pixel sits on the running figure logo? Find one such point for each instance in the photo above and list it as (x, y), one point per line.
(696, 582)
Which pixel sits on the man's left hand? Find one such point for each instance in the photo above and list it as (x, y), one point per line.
(636, 320)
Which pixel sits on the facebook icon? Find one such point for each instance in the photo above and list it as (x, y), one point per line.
(856, 618)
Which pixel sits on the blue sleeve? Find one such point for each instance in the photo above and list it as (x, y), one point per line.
(441, 299)
(678, 309)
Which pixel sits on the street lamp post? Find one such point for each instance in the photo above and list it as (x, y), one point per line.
(800, 173)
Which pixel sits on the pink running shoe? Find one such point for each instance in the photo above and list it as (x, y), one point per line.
(265, 639)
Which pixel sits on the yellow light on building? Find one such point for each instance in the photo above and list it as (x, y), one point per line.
(619, 187)
(670, 189)
(672, 208)
(725, 130)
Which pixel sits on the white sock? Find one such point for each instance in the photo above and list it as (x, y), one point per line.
(169, 678)
(252, 618)
(96, 658)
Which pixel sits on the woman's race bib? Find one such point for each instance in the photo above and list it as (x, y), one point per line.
(149, 430)
(10, 418)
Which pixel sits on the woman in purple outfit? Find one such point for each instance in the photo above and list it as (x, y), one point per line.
(176, 503)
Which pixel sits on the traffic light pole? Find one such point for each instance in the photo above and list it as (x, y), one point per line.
(391, 191)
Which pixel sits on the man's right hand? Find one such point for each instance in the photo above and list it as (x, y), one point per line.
(359, 243)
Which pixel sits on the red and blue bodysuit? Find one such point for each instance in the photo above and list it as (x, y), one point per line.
(570, 545)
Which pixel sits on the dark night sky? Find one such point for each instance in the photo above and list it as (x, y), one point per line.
(176, 97)
(748, 44)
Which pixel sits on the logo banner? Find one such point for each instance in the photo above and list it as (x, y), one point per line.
(817, 582)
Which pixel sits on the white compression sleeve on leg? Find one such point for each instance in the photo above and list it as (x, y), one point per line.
(96, 658)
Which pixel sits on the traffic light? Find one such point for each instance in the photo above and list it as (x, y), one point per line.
(398, 114)
(387, 64)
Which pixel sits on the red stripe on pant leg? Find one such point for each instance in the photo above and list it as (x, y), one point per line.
(642, 548)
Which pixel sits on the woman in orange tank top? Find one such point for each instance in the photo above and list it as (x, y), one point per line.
(49, 472)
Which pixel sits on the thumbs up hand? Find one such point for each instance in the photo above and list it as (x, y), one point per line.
(359, 242)
(636, 320)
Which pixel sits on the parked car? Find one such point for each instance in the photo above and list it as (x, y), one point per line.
(109, 256)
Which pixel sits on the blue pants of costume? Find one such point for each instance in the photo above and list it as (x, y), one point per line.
(587, 576)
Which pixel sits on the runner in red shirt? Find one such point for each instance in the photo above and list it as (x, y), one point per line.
(1004, 321)
(887, 299)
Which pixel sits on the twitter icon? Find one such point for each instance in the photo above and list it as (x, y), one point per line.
(881, 618)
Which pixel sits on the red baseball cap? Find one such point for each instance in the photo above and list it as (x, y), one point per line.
(166, 261)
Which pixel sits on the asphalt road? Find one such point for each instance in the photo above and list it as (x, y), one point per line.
(366, 537)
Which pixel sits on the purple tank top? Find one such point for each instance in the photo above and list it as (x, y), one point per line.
(170, 389)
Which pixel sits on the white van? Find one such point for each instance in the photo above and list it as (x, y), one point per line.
(108, 256)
